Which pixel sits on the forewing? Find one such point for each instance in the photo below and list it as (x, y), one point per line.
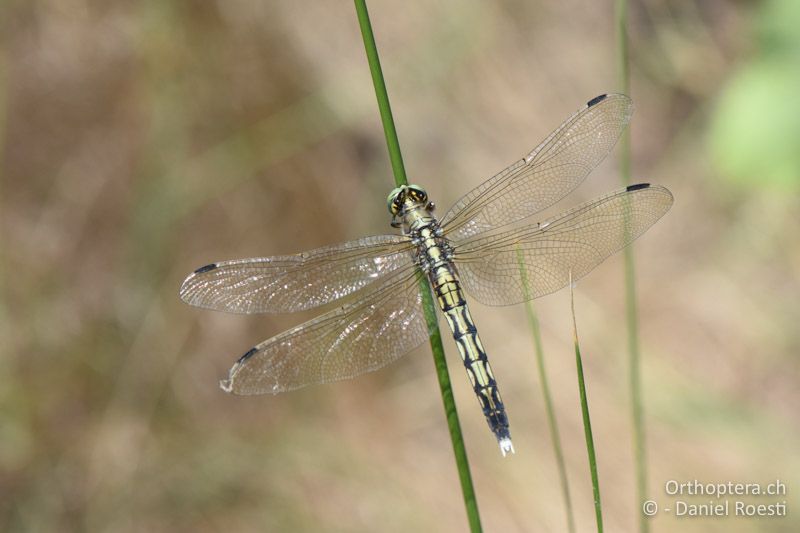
(284, 284)
(356, 338)
(521, 264)
(558, 165)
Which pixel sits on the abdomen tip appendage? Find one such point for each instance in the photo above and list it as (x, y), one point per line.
(506, 446)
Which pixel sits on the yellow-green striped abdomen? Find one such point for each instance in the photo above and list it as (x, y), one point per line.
(446, 287)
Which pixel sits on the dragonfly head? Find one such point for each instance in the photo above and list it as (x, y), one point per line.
(405, 197)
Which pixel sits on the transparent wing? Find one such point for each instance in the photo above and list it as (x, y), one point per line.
(521, 264)
(359, 337)
(284, 284)
(558, 165)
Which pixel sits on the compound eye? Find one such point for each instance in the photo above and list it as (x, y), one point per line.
(395, 200)
(417, 193)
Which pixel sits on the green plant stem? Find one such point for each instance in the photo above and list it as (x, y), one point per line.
(457, 439)
(631, 314)
(555, 436)
(587, 423)
(552, 423)
(396, 157)
(398, 169)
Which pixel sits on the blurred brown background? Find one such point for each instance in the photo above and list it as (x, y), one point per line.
(140, 140)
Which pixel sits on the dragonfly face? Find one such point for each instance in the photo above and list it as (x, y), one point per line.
(484, 246)
(405, 200)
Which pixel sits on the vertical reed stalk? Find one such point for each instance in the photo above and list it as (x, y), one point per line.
(459, 450)
(587, 423)
(552, 423)
(631, 314)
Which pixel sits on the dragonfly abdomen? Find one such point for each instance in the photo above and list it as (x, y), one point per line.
(451, 301)
(479, 371)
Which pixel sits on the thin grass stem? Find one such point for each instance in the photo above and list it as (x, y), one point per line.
(587, 423)
(631, 312)
(398, 169)
(552, 423)
(387, 119)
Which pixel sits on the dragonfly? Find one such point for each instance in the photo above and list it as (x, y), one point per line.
(485, 246)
